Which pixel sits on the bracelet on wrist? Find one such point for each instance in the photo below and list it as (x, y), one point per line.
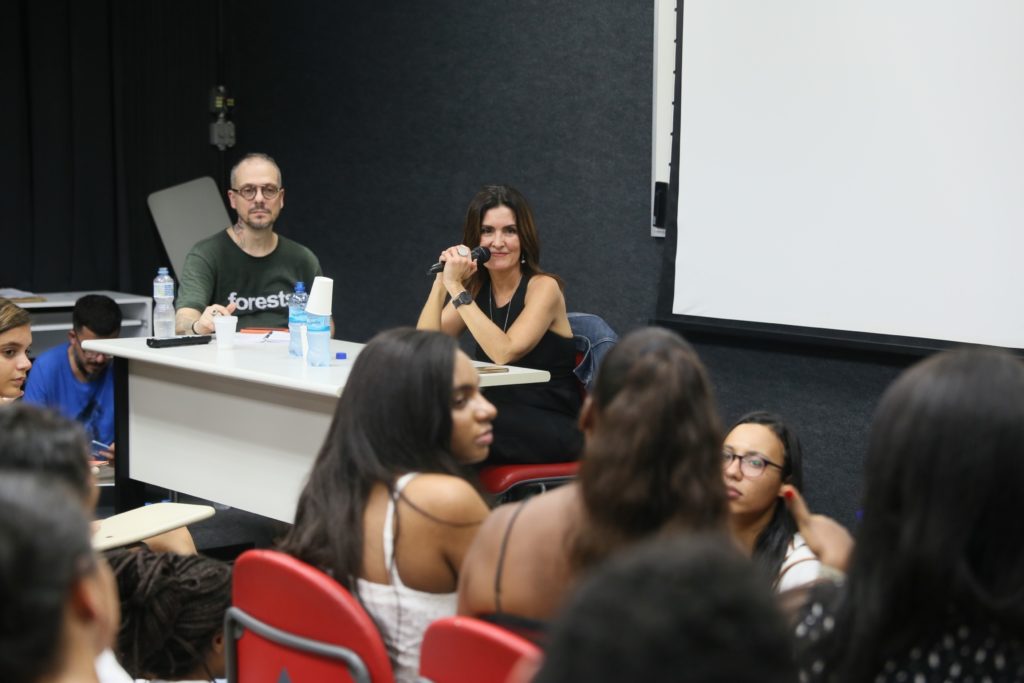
(194, 326)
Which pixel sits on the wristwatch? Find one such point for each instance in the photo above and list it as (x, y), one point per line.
(462, 299)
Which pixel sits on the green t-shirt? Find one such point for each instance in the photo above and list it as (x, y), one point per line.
(218, 271)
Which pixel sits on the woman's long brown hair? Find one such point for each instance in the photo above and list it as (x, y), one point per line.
(653, 461)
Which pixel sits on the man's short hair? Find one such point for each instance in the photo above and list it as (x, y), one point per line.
(252, 156)
(42, 441)
(97, 312)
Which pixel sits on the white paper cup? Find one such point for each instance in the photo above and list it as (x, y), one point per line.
(225, 326)
(320, 295)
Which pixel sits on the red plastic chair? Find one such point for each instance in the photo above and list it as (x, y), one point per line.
(468, 650)
(507, 482)
(291, 622)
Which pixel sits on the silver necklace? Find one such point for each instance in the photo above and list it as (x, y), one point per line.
(490, 299)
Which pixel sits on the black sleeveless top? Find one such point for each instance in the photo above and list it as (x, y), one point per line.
(536, 423)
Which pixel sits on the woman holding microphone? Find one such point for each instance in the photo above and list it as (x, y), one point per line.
(516, 314)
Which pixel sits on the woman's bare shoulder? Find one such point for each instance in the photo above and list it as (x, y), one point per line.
(446, 497)
(543, 283)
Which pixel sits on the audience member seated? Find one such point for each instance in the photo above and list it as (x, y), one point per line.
(35, 439)
(80, 383)
(15, 342)
(652, 466)
(386, 510)
(934, 590)
(762, 453)
(516, 314)
(685, 609)
(59, 603)
(172, 614)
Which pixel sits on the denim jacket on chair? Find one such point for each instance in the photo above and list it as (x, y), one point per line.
(593, 338)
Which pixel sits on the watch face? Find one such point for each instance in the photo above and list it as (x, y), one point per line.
(462, 299)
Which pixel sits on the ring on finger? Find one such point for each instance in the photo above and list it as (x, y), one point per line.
(463, 250)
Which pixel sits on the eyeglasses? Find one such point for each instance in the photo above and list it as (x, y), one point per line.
(752, 465)
(248, 192)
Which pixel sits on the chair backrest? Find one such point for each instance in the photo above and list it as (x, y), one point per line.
(594, 338)
(468, 650)
(501, 480)
(291, 623)
(185, 214)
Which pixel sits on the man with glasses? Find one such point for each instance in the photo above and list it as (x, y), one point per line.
(80, 383)
(247, 270)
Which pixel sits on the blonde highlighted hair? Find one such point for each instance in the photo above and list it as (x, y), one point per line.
(12, 315)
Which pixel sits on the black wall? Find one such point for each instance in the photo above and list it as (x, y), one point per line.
(386, 117)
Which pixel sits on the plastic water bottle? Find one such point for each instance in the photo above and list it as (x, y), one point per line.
(163, 311)
(297, 319)
(318, 338)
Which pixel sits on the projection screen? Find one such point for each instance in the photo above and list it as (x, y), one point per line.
(853, 165)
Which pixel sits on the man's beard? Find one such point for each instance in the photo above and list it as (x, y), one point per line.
(264, 224)
(84, 369)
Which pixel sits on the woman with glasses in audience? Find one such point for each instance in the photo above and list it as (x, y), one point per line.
(386, 510)
(760, 455)
(15, 341)
(934, 590)
(651, 466)
(516, 314)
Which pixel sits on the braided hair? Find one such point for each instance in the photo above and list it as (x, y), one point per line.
(172, 607)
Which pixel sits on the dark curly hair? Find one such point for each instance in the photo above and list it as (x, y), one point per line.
(172, 606)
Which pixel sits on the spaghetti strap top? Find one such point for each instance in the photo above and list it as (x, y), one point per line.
(531, 629)
(500, 570)
(402, 613)
(389, 527)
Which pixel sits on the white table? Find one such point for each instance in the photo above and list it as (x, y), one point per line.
(240, 426)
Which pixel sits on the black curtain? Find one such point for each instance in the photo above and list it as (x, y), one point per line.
(61, 168)
(106, 101)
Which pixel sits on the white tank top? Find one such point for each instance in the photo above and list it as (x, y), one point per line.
(402, 612)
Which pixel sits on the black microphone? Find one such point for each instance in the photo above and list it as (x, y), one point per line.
(480, 254)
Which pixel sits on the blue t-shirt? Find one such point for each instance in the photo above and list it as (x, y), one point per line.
(52, 383)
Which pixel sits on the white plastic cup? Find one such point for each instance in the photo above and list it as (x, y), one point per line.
(320, 295)
(225, 326)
